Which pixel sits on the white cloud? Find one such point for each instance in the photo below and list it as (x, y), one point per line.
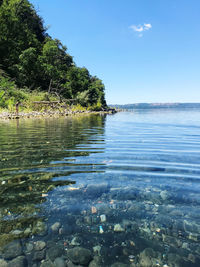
(147, 26)
(141, 28)
(137, 28)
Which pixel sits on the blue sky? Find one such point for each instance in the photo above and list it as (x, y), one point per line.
(143, 50)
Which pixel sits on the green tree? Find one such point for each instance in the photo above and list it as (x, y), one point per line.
(20, 28)
(55, 63)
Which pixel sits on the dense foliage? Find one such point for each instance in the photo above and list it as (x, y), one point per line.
(31, 60)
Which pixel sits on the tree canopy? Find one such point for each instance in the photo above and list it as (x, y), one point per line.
(32, 59)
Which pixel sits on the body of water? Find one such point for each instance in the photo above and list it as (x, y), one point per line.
(117, 190)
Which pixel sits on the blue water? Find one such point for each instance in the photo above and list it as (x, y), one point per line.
(124, 186)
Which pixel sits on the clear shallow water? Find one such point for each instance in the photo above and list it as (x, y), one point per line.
(126, 187)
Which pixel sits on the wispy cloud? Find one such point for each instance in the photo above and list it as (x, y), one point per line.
(141, 28)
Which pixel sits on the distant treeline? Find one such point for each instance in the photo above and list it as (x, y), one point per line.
(32, 60)
(157, 105)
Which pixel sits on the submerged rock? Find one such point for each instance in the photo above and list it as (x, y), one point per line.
(55, 252)
(40, 228)
(96, 262)
(79, 255)
(12, 250)
(103, 218)
(96, 190)
(118, 228)
(55, 227)
(18, 262)
(47, 263)
(119, 264)
(3, 263)
(40, 245)
(164, 195)
(60, 262)
(39, 255)
(76, 241)
(147, 257)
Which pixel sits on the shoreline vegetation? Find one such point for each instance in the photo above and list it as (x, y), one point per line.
(49, 109)
(35, 68)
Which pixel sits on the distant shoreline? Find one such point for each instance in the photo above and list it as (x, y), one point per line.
(156, 106)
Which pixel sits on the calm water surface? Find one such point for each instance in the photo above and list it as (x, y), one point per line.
(126, 187)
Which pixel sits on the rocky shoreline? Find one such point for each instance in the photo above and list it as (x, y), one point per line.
(50, 113)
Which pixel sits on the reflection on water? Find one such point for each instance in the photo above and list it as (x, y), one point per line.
(120, 190)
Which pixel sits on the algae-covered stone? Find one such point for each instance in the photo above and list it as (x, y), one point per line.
(79, 255)
(40, 228)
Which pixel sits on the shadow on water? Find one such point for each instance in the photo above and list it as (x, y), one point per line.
(37, 156)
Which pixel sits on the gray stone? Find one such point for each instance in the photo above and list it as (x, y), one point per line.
(119, 264)
(75, 241)
(29, 247)
(3, 263)
(47, 263)
(79, 255)
(12, 250)
(39, 255)
(96, 190)
(40, 245)
(164, 195)
(146, 257)
(103, 218)
(97, 250)
(70, 264)
(175, 260)
(18, 262)
(55, 227)
(96, 262)
(55, 252)
(60, 262)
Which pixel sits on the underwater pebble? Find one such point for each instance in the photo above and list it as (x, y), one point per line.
(101, 231)
(118, 228)
(55, 227)
(103, 218)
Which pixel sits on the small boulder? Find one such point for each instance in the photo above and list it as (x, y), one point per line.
(79, 255)
(12, 250)
(18, 262)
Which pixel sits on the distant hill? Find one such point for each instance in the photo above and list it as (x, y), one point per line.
(157, 105)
